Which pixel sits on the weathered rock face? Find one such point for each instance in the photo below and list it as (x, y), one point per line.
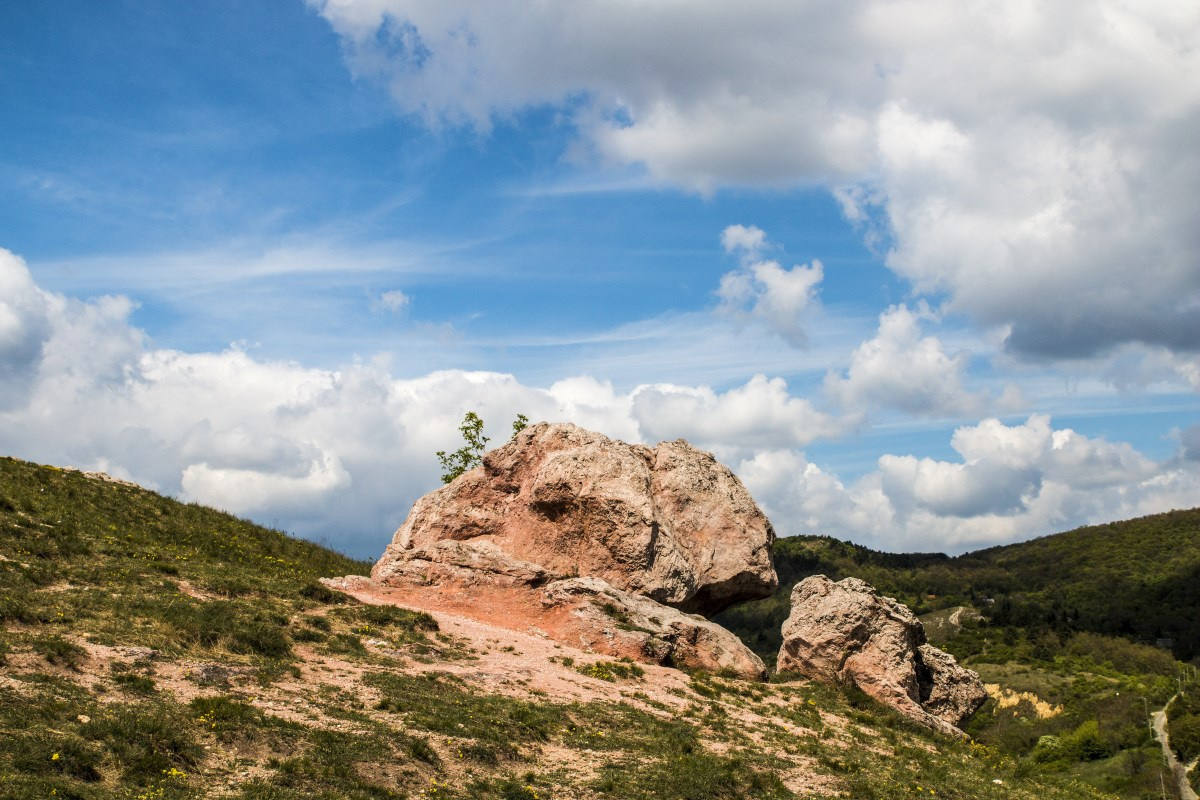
(847, 632)
(669, 522)
(624, 624)
(464, 563)
(955, 693)
(599, 544)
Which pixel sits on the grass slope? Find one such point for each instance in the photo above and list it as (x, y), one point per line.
(1063, 627)
(154, 650)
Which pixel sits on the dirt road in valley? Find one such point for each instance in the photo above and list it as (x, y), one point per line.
(1178, 771)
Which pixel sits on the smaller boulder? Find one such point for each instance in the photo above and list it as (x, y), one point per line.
(955, 693)
(846, 632)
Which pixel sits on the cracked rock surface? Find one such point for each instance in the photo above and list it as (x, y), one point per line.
(668, 522)
(848, 633)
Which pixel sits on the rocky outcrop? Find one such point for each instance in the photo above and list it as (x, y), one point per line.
(669, 523)
(846, 632)
(600, 544)
(954, 692)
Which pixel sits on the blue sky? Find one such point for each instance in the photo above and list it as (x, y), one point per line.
(925, 274)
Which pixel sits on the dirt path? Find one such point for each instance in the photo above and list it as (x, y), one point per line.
(1178, 771)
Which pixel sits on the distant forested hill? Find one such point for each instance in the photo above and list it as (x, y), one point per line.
(1138, 579)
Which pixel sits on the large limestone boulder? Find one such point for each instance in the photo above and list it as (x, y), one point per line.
(669, 522)
(846, 632)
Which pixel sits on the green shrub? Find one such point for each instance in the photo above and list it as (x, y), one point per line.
(308, 635)
(395, 617)
(1121, 654)
(1049, 748)
(227, 586)
(443, 704)
(611, 671)
(166, 568)
(346, 644)
(682, 769)
(134, 683)
(318, 623)
(320, 593)
(1184, 734)
(225, 716)
(235, 626)
(509, 787)
(261, 638)
(1086, 744)
(263, 790)
(419, 748)
(16, 605)
(327, 769)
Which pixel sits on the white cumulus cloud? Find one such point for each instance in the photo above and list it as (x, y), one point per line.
(330, 453)
(761, 290)
(760, 414)
(24, 328)
(801, 498)
(1011, 482)
(341, 454)
(902, 369)
(1031, 163)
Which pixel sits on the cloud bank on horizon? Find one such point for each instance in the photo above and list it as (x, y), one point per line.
(1023, 173)
(327, 452)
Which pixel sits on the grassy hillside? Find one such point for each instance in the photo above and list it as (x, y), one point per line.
(150, 649)
(1065, 625)
(79, 550)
